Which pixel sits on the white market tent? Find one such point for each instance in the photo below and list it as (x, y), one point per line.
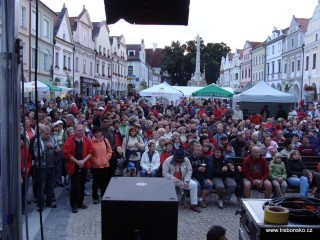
(31, 87)
(162, 90)
(262, 94)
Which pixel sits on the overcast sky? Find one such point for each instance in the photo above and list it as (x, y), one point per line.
(229, 21)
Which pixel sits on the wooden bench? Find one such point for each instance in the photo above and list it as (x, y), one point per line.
(310, 162)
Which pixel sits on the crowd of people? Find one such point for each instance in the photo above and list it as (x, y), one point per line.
(193, 143)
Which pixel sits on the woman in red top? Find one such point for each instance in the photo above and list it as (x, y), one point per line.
(200, 111)
(155, 111)
(301, 114)
(167, 152)
(217, 113)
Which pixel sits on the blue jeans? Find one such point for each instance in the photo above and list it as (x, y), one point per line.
(144, 173)
(204, 185)
(301, 183)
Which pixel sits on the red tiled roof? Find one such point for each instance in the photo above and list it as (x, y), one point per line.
(303, 22)
(154, 57)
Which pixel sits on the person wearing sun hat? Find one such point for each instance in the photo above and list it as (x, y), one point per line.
(179, 169)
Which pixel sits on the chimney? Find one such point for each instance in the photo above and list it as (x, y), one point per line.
(154, 46)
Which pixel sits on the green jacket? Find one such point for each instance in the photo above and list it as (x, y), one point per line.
(277, 170)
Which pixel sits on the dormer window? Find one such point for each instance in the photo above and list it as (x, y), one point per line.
(131, 53)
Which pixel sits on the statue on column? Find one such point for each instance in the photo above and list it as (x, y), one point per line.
(197, 78)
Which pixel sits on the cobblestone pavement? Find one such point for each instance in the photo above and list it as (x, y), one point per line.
(60, 223)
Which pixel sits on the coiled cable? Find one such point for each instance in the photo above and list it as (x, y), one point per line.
(302, 210)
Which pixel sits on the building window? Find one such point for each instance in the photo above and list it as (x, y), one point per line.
(64, 62)
(279, 66)
(291, 42)
(77, 64)
(69, 63)
(131, 53)
(272, 65)
(103, 69)
(100, 49)
(91, 68)
(237, 75)
(104, 51)
(130, 70)
(46, 62)
(46, 28)
(97, 68)
(33, 19)
(57, 60)
(23, 17)
(64, 36)
(314, 60)
(316, 37)
(307, 63)
(33, 56)
(84, 66)
(292, 66)
(298, 65)
(272, 49)
(285, 68)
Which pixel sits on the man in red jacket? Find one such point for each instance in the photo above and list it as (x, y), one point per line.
(256, 172)
(77, 151)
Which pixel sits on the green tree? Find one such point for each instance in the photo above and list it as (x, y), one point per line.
(180, 60)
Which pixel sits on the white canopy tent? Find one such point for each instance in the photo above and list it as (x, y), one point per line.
(262, 94)
(31, 87)
(162, 90)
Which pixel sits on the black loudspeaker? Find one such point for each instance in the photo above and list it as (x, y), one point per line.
(134, 208)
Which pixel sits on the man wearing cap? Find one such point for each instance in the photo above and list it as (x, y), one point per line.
(97, 119)
(130, 171)
(178, 168)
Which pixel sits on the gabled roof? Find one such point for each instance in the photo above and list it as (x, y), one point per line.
(303, 22)
(73, 23)
(256, 44)
(259, 45)
(230, 54)
(58, 21)
(72, 20)
(285, 31)
(96, 28)
(154, 57)
(240, 52)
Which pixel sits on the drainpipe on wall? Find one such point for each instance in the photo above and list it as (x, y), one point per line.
(30, 42)
(302, 71)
